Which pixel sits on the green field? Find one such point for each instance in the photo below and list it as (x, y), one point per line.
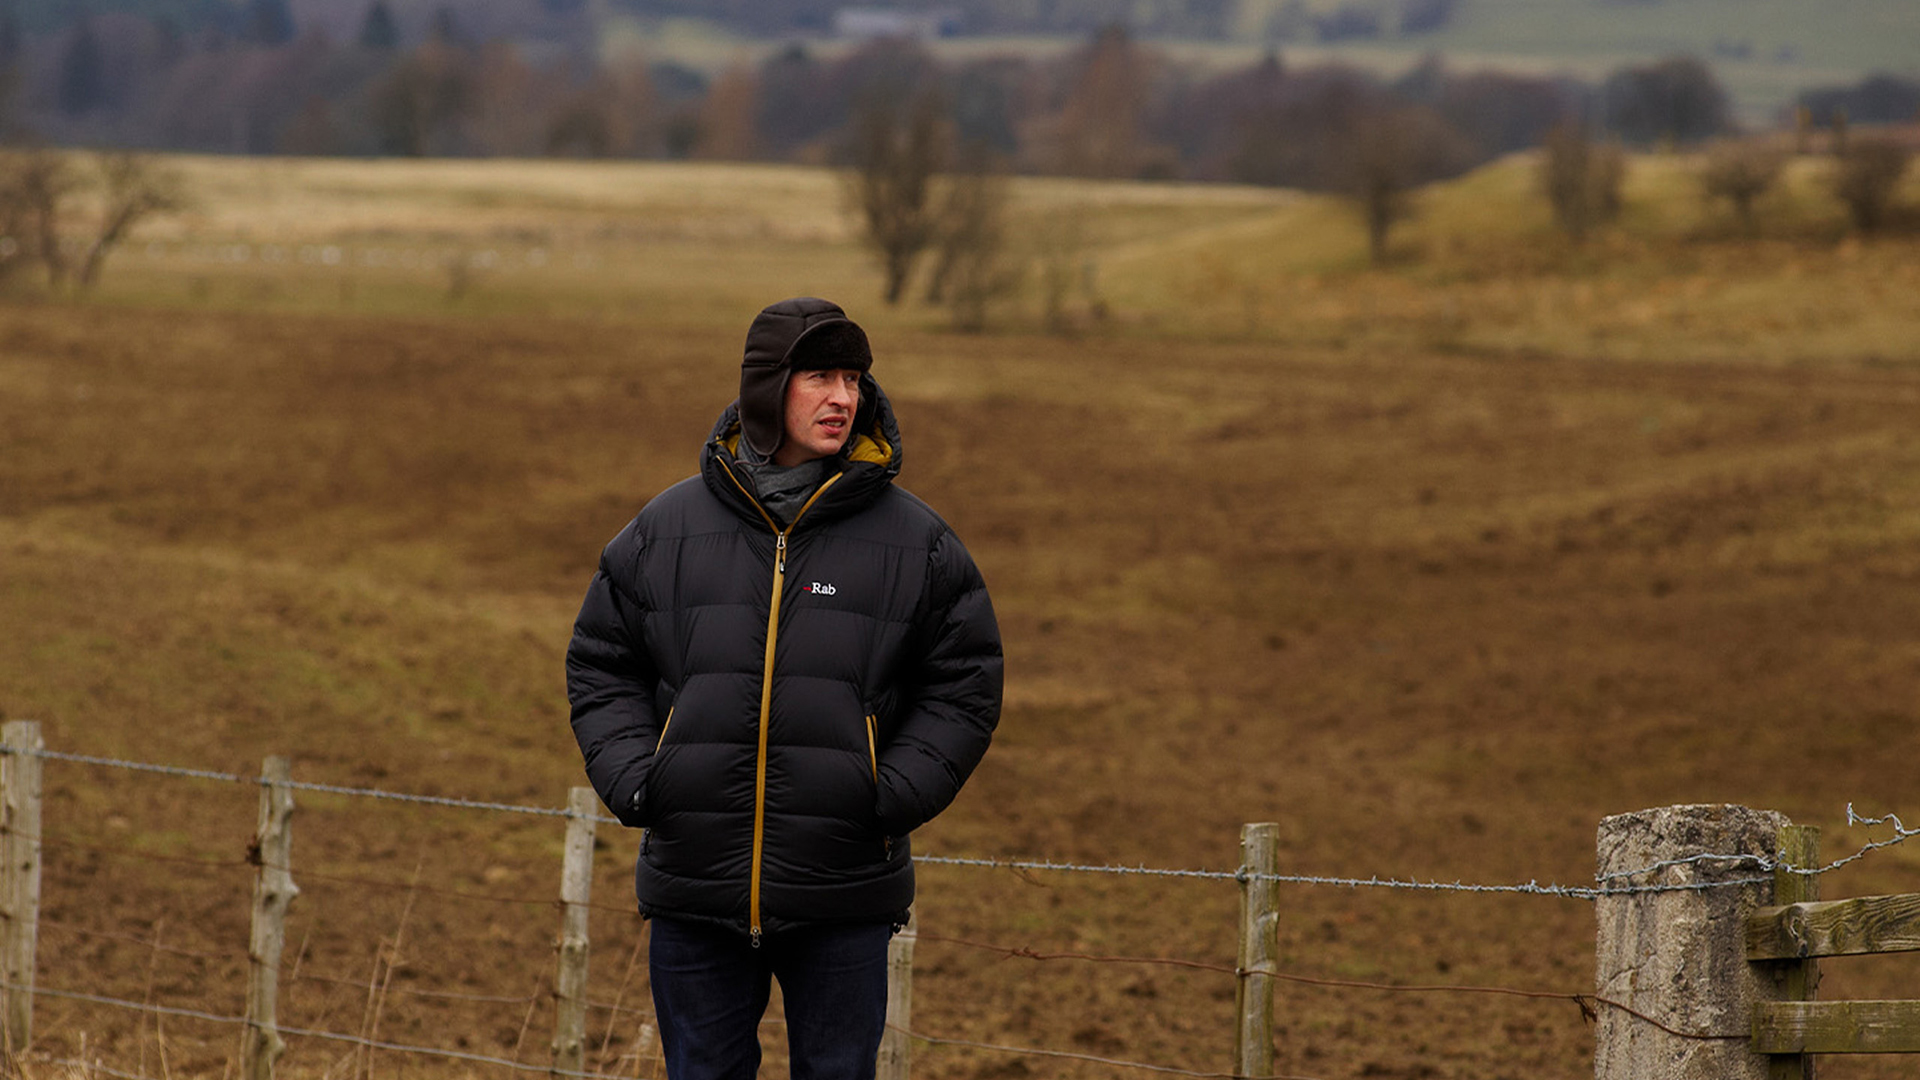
(1434, 564)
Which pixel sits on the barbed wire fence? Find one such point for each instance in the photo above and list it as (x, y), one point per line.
(626, 1050)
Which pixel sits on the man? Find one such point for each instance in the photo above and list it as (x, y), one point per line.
(782, 668)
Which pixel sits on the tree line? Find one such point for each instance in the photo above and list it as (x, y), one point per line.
(924, 142)
(260, 84)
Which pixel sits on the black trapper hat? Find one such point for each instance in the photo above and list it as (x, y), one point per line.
(802, 334)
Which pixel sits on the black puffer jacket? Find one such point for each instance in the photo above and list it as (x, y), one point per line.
(779, 709)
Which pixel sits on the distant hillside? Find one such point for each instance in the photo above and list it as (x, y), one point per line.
(1764, 51)
(1832, 33)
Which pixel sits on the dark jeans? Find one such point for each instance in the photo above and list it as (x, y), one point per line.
(711, 986)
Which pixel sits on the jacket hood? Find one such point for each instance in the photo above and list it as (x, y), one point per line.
(803, 333)
(867, 464)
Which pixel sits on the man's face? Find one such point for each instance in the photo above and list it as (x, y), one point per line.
(820, 408)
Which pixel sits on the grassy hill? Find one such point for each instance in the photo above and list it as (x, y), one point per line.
(1434, 565)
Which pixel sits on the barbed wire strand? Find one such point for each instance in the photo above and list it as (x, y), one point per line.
(333, 1036)
(308, 876)
(295, 977)
(1585, 1002)
(450, 995)
(1901, 834)
(1532, 887)
(302, 785)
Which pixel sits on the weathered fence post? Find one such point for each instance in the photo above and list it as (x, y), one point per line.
(896, 1049)
(1259, 949)
(1796, 980)
(20, 877)
(273, 893)
(576, 890)
(1672, 942)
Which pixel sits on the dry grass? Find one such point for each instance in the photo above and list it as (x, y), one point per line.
(1436, 602)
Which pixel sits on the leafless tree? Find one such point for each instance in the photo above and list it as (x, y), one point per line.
(726, 129)
(896, 151)
(1099, 127)
(1582, 179)
(1741, 172)
(970, 269)
(1866, 175)
(33, 185)
(35, 204)
(135, 189)
(1063, 242)
(1395, 149)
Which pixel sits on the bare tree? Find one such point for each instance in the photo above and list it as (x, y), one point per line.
(726, 130)
(970, 269)
(1741, 172)
(33, 185)
(1063, 245)
(1395, 149)
(136, 189)
(1866, 175)
(1100, 123)
(896, 151)
(1582, 179)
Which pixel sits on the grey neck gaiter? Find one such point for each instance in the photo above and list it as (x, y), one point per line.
(784, 489)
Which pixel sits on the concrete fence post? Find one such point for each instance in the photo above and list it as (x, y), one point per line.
(1676, 955)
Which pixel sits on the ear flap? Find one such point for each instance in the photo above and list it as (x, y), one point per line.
(864, 417)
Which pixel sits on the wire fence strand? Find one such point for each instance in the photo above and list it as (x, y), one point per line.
(330, 1036)
(1626, 882)
(1601, 888)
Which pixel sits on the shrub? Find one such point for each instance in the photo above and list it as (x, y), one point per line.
(1865, 177)
(1582, 179)
(1741, 172)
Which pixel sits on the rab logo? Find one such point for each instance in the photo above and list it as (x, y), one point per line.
(818, 589)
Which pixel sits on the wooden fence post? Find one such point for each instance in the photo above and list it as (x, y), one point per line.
(896, 1049)
(576, 890)
(1796, 979)
(20, 877)
(273, 893)
(1259, 949)
(1676, 954)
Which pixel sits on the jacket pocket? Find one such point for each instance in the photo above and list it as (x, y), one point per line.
(644, 796)
(873, 764)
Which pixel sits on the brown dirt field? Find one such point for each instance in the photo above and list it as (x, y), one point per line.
(1434, 614)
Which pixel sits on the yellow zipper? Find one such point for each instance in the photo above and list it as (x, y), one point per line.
(662, 740)
(766, 690)
(873, 751)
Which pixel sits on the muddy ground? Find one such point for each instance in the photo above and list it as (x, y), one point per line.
(1434, 614)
